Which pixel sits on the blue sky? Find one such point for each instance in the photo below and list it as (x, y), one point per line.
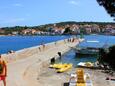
(38, 12)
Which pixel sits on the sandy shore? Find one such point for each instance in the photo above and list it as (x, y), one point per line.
(49, 77)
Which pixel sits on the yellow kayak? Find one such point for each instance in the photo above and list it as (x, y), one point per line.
(81, 84)
(64, 68)
(57, 66)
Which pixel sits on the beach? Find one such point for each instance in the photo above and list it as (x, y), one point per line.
(50, 78)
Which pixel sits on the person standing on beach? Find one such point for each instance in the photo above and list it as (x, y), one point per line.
(3, 70)
(59, 53)
(43, 45)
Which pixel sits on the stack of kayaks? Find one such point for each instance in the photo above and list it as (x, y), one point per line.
(61, 67)
(80, 79)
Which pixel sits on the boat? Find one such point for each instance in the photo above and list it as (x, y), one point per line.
(85, 64)
(91, 48)
(87, 51)
(80, 79)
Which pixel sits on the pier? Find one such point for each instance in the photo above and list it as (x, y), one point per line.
(24, 66)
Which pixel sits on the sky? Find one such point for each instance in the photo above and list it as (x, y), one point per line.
(40, 12)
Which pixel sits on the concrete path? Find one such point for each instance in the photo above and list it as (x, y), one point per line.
(25, 71)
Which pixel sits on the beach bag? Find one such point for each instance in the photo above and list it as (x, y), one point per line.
(1, 68)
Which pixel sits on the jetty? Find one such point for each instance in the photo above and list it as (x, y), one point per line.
(25, 66)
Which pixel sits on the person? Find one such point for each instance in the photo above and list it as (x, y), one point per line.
(11, 51)
(39, 49)
(55, 43)
(43, 46)
(59, 53)
(3, 70)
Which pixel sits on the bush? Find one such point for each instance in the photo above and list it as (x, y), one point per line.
(108, 57)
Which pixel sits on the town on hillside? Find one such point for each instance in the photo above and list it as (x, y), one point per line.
(62, 28)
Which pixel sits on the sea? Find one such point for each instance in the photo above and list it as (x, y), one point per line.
(15, 43)
(92, 41)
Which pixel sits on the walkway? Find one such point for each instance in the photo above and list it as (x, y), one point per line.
(24, 72)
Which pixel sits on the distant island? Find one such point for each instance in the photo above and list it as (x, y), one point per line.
(62, 28)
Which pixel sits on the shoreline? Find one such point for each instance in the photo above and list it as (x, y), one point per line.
(105, 34)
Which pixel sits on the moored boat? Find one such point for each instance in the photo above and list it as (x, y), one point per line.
(87, 51)
(86, 64)
(91, 47)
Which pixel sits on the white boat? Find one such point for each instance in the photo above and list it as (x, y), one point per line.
(91, 48)
(85, 64)
(87, 51)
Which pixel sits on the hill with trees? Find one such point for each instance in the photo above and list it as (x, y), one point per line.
(48, 27)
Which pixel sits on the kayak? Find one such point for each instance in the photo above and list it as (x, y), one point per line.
(64, 68)
(81, 84)
(56, 66)
(80, 79)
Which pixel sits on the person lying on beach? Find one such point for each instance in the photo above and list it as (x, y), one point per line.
(3, 70)
(108, 78)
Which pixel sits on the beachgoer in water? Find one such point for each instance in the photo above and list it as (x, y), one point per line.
(3, 70)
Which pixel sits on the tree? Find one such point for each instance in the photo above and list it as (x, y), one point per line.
(111, 56)
(102, 56)
(109, 5)
(67, 30)
(108, 57)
